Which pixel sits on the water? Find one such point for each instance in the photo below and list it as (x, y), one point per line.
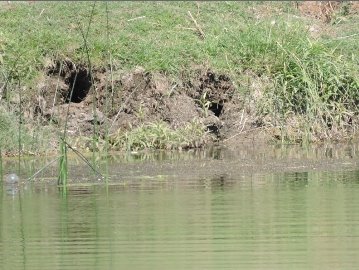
(156, 218)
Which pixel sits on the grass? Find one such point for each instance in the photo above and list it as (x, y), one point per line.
(132, 42)
(315, 84)
(159, 135)
(14, 136)
(312, 92)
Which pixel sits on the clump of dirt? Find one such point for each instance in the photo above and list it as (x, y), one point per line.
(211, 93)
(217, 88)
(141, 97)
(132, 99)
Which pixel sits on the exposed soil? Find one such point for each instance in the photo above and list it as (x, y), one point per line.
(327, 10)
(125, 101)
(322, 10)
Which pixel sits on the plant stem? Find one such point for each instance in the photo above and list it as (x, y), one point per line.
(62, 181)
(19, 139)
(43, 168)
(1, 169)
(94, 136)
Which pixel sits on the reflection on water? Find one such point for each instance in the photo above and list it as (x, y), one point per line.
(305, 219)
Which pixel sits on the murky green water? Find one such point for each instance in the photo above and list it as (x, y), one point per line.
(305, 219)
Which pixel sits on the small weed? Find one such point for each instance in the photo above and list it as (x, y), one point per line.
(204, 103)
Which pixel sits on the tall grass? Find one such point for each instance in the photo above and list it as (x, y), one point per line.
(315, 91)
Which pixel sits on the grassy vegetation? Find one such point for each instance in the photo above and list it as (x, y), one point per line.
(313, 77)
(315, 84)
(159, 136)
(29, 135)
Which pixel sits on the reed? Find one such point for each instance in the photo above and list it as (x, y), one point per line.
(43, 168)
(107, 93)
(63, 168)
(95, 133)
(19, 130)
(85, 160)
(64, 146)
(1, 167)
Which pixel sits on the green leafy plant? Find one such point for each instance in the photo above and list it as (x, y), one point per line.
(204, 103)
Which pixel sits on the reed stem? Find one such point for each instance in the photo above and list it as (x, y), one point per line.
(62, 181)
(20, 120)
(1, 168)
(94, 94)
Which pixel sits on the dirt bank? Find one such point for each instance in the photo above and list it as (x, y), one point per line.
(118, 102)
(283, 72)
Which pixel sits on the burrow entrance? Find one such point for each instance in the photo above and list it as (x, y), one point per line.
(213, 88)
(216, 108)
(80, 82)
(70, 77)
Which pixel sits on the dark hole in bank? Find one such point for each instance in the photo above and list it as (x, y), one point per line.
(212, 128)
(216, 108)
(80, 84)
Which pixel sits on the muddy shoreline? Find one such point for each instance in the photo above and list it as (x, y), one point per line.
(215, 164)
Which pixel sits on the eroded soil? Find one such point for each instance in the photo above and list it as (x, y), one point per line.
(97, 100)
